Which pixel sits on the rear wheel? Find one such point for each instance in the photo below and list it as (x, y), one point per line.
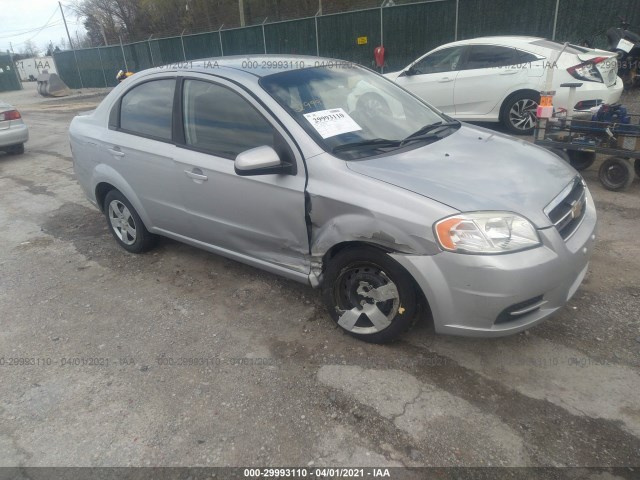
(518, 112)
(581, 160)
(637, 166)
(369, 295)
(125, 224)
(616, 173)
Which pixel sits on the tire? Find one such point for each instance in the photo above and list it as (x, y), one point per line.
(616, 173)
(581, 160)
(518, 113)
(16, 149)
(373, 105)
(637, 167)
(134, 238)
(349, 280)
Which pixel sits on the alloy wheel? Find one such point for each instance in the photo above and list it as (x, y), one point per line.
(122, 222)
(522, 114)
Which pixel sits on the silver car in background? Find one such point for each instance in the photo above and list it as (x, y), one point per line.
(272, 161)
(13, 132)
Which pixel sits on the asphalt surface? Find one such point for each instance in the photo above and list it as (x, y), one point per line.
(183, 358)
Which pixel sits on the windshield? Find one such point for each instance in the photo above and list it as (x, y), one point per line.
(354, 113)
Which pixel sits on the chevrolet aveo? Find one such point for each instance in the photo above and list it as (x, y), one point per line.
(272, 161)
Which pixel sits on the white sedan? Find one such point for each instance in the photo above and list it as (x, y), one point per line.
(498, 79)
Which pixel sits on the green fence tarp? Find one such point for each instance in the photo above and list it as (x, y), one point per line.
(242, 41)
(166, 50)
(590, 19)
(412, 30)
(295, 37)
(9, 79)
(350, 36)
(138, 56)
(202, 45)
(480, 18)
(90, 66)
(67, 69)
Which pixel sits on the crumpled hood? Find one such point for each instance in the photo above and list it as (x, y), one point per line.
(477, 169)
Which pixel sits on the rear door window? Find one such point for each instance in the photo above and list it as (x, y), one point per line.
(147, 109)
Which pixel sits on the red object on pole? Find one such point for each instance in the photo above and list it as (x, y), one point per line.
(378, 54)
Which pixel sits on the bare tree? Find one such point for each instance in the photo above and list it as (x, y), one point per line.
(29, 49)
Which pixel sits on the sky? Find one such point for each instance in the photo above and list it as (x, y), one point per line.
(37, 20)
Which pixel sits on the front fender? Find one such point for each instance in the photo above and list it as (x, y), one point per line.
(368, 228)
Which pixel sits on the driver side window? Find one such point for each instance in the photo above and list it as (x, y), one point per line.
(219, 121)
(445, 60)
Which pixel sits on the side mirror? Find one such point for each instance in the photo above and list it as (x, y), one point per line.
(261, 161)
(410, 71)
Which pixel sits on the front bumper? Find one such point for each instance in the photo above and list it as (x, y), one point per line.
(467, 293)
(14, 135)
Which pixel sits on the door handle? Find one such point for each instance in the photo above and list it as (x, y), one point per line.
(445, 80)
(115, 151)
(196, 174)
(509, 71)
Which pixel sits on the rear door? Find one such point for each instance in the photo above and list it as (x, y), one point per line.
(139, 147)
(432, 78)
(489, 72)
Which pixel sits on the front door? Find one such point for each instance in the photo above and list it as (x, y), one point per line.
(433, 77)
(262, 216)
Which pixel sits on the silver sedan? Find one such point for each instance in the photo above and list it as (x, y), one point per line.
(395, 210)
(13, 131)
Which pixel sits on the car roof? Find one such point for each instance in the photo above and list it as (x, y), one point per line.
(258, 65)
(511, 40)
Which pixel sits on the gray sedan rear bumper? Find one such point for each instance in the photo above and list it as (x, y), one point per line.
(14, 135)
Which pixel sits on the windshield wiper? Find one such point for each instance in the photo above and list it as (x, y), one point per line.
(429, 131)
(373, 143)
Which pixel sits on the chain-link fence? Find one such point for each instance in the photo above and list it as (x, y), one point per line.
(406, 31)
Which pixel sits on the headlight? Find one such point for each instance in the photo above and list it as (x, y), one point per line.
(486, 232)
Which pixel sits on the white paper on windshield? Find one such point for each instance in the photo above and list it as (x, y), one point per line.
(625, 45)
(329, 123)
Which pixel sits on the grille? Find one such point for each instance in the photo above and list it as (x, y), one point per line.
(567, 210)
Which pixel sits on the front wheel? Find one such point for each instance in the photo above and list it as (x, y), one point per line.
(519, 111)
(616, 173)
(369, 295)
(125, 224)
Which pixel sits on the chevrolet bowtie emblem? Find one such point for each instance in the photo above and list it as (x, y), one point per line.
(576, 209)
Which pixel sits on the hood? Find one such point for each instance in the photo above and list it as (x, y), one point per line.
(477, 169)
